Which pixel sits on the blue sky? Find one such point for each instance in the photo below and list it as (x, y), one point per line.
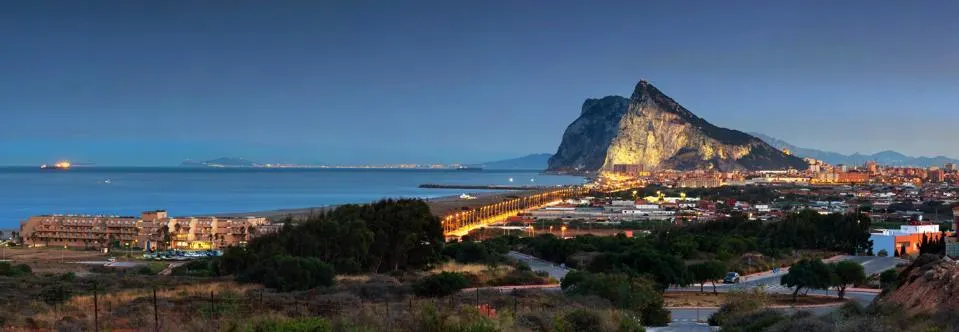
(156, 82)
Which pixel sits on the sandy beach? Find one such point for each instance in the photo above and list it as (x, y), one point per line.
(441, 205)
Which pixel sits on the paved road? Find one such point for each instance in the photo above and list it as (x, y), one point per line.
(691, 319)
(694, 320)
(770, 280)
(536, 264)
(687, 319)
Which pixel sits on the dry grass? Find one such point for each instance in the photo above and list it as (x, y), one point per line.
(53, 260)
(187, 307)
(696, 299)
(461, 268)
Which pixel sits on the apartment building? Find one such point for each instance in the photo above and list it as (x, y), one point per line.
(153, 230)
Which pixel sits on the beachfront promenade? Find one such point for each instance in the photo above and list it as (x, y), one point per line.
(460, 216)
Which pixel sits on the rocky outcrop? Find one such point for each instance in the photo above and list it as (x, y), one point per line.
(653, 132)
(928, 285)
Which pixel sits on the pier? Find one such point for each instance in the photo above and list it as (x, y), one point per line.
(481, 187)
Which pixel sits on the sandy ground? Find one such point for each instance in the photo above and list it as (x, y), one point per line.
(51, 260)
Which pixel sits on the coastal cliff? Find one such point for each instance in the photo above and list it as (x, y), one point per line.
(653, 132)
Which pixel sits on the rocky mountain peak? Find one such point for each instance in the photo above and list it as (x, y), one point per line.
(653, 131)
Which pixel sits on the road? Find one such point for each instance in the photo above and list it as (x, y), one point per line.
(538, 265)
(769, 280)
(689, 319)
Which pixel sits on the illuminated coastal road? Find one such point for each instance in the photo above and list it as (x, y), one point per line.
(460, 216)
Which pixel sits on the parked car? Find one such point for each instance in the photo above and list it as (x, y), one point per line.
(731, 278)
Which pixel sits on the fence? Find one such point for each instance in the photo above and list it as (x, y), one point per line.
(153, 311)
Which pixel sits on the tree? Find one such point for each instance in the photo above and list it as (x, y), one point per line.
(888, 279)
(812, 274)
(439, 285)
(933, 245)
(381, 237)
(286, 273)
(707, 271)
(665, 269)
(638, 294)
(847, 273)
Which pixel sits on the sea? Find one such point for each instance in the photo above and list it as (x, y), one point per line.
(27, 191)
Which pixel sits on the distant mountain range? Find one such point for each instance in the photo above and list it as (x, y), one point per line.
(538, 161)
(891, 158)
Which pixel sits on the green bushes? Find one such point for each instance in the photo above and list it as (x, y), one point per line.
(491, 251)
(312, 324)
(581, 320)
(738, 304)
(520, 277)
(382, 237)
(8, 270)
(596, 321)
(637, 294)
(287, 273)
(760, 320)
(54, 294)
(430, 319)
(386, 236)
(197, 268)
(439, 285)
(889, 280)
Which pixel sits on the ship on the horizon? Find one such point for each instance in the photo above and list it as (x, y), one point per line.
(63, 164)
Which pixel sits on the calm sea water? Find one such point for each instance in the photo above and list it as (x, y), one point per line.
(26, 191)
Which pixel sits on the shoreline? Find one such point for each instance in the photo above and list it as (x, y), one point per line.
(299, 214)
(443, 202)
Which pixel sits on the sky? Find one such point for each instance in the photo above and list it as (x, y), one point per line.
(130, 82)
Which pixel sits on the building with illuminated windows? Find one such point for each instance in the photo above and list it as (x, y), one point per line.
(153, 230)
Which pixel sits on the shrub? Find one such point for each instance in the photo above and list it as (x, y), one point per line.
(889, 279)
(54, 294)
(312, 324)
(197, 268)
(7, 270)
(738, 304)
(640, 295)
(754, 321)
(439, 285)
(518, 277)
(629, 324)
(286, 273)
(581, 320)
(68, 277)
(521, 266)
(883, 253)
